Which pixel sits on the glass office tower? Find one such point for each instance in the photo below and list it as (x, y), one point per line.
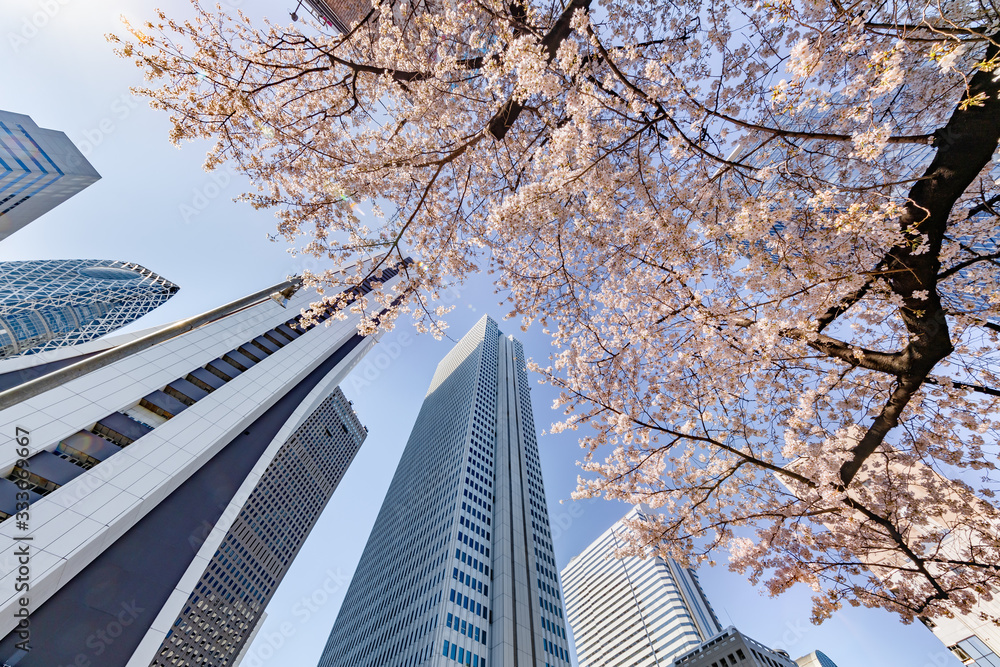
(39, 169)
(52, 303)
(459, 566)
(227, 604)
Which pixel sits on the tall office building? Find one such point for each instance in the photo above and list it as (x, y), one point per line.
(227, 604)
(459, 566)
(170, 488)
(633, 611)
(52, 303)
(39, 169)
(339, 14)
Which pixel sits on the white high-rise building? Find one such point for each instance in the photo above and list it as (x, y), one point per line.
(39, 169)
(459, 568)
(633, 612)
(152, 497)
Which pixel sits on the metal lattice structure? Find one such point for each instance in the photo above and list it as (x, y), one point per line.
(47, 304)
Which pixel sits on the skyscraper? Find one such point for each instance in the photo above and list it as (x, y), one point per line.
(170, 488)
(459, 568)
(51, 303)
(339, 14)
(633, 611)
(39, 169)
(223, 612)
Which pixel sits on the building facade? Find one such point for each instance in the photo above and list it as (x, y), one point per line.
(39, 169)
(154, 483)
(459, 567)
(971, 650)
(633, 612)
(53, 303)
(339, 14)
(731, 648)
(226, 607)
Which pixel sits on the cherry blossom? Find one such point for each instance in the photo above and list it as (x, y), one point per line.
(762, 238)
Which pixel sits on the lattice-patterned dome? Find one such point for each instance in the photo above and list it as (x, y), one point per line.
(45, 304)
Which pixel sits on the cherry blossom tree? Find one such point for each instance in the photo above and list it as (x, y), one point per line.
(762, 236)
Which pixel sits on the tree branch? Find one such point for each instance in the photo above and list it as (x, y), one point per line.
(944, 382)
(973, 133)
(505, 118)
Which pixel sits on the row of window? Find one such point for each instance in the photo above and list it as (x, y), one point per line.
(469, 604)
(482, 478)
(551, 647)
(479, 488)
(551, 590)
(476, 513)
(478, 530)
(475, 563)
(466, 628)
(16, 204)
(481, 452)
(462, 656)
(470, 581)
(554, 628)
(476, 499)
(549, 607)
(474, 544)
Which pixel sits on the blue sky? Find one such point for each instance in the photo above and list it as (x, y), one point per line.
(156, 206)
